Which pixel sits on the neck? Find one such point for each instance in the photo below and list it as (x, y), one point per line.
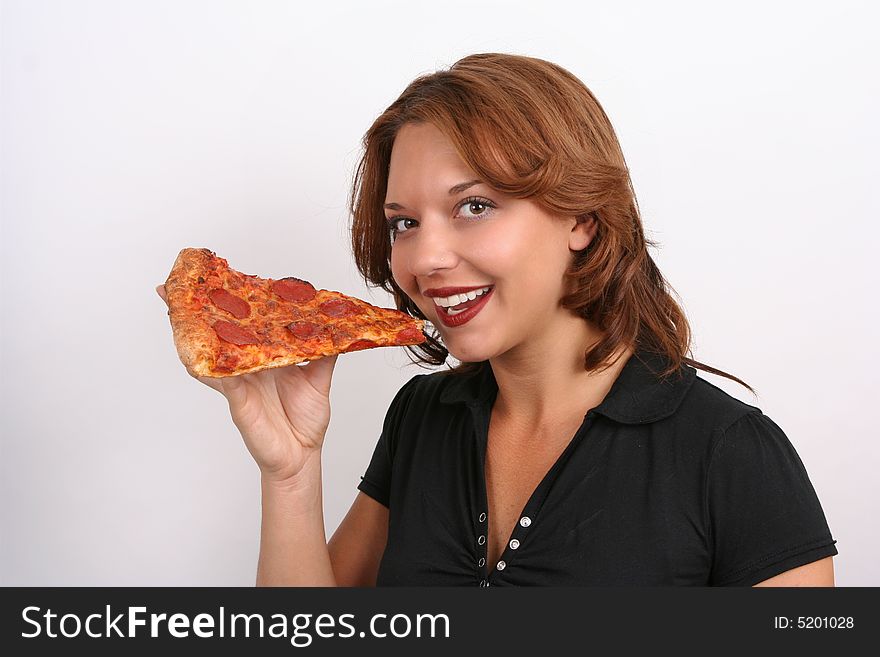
(544, 382)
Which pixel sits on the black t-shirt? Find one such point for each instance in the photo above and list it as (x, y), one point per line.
(665, 483)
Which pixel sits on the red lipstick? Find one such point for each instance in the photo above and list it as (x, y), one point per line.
(464, 316)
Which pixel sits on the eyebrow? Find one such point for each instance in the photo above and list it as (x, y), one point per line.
(455, 189)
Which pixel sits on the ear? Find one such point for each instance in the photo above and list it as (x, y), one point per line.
(582, 232)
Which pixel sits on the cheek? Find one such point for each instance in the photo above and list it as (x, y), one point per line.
(534, 269)
(401, 276)
(397, 270)
(516, 257)
(496, 255)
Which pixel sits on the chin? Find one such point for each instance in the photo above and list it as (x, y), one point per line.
(468, 353)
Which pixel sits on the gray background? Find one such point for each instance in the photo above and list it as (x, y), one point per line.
(133, 129)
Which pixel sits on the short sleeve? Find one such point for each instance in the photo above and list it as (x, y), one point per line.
(376, 481)
(763, 513)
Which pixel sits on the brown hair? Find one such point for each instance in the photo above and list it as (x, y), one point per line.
(531, 129)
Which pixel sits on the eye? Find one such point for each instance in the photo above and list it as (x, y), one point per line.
(395, 222)
(485, 203)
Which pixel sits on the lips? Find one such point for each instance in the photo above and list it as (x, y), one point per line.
(466, 315)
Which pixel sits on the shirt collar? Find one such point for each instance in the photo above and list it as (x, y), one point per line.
(637, 396)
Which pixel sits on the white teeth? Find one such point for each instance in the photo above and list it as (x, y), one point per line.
(455, 299)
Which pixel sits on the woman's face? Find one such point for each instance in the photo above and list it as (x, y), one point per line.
(474, 238)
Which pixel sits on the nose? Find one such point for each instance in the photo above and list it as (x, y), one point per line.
(434, 247)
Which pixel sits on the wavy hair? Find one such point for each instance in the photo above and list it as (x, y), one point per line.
(531, 129)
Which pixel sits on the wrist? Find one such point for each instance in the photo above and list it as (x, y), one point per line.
(308, 475)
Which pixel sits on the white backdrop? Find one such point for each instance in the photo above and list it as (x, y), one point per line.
(133, 129)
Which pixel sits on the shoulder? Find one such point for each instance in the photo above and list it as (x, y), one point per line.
(706, 402)
(709, 410)
(428, 396)
(418, 411)
(706, 414)
(422, 393)
(734, 434)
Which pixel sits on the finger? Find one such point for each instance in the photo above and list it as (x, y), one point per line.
(209, 381)
(160, 290)
(320, 372)
(236, 389)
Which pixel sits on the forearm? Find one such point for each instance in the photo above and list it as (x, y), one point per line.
(293, 543)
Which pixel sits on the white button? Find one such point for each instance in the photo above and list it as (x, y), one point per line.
(484, 583)
(481, 540)
(482, 562)
(514, 544)
(482, 517)
(525, 521)
(501, 565)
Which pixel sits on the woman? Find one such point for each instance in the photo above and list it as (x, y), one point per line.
(574, 443)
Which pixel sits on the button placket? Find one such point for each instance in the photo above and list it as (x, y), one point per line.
(525, 522)
(481, 541)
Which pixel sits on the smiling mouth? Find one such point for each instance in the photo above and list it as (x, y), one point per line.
(462, 313)
(452, 311)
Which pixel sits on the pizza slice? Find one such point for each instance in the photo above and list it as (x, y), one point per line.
(227, 323)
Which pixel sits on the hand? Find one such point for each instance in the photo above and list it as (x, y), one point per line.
(282, 413)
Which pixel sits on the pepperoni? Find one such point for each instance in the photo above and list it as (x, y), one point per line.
(234, 333)
(341, 338)
(232, 304)
(294, 289)
(304, 329)
(339, 308)
(409, 335)
(361, 344)
(227, 362)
